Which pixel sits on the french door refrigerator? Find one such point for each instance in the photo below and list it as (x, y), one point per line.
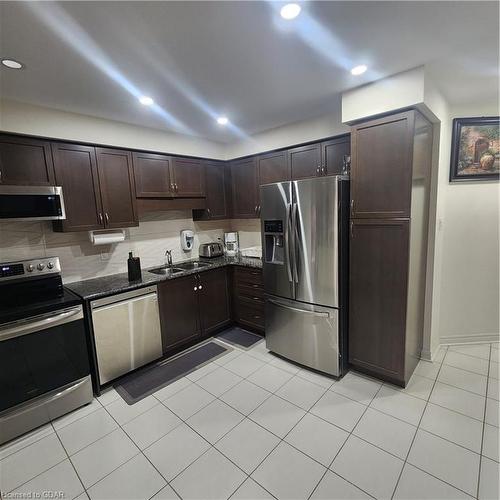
(304, 239)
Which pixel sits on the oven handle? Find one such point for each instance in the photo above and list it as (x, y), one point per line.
(23, 327)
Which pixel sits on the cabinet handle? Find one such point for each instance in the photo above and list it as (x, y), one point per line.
(352, 229)
(200, 287)
(208, 212)
(323, 170)
(352, 206)
(0, 176)
(195, 288)
(106, 216)
(101, 219)
(176, 187)
(256, 207)
(318, 169)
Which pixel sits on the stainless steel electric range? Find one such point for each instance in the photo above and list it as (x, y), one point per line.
(44, 367)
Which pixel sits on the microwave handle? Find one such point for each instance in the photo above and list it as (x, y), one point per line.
(23, 327)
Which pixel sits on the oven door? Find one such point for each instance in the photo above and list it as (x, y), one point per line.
(40, 354)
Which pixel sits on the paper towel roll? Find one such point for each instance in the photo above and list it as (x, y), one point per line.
(107, 238)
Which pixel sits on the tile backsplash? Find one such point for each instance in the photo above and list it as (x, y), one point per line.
(156, 232)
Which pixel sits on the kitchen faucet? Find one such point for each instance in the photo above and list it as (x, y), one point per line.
(168, 255)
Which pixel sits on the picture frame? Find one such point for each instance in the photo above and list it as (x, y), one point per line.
(475, 149)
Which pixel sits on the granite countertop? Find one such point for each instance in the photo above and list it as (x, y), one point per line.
(116, 283)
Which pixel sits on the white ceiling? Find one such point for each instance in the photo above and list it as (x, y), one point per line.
(202, 59)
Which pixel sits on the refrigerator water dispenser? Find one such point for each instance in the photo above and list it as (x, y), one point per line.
(274, 242)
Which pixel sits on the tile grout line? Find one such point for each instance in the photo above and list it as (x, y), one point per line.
(484, 425)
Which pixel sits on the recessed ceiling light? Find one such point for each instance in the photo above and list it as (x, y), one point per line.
(222, 120)
(12, 64)
(358, 70)
(146, 100)
(290, 11)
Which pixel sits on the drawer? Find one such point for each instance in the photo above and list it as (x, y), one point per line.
(250, 313)
(250, 291)
(249, 277)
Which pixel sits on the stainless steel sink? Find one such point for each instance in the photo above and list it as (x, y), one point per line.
(187, 266)
(165, 270)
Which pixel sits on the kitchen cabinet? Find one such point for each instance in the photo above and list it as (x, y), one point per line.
(76, 171)
(390, 186)
(305, 161)
(244, 181)
(334, 153)
(116, 182)
(378, 287)
(25, 161)
(248, 298)
(193, 306)
(382, 174)
(213, 297)
(178, 303)
(273, 167)
(152, 175)
(98, 187)
(188, 176)
(218, 196)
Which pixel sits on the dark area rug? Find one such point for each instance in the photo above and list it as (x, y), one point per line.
(142, 383)
(239, 337)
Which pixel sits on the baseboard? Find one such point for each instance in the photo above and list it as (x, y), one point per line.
(470, 339)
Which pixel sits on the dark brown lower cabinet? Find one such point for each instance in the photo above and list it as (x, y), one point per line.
(378, 297)
(192, 307)
(248, 298)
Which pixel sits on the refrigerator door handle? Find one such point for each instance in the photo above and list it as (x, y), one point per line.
(296, 309)
(295, 242)
(287, 242)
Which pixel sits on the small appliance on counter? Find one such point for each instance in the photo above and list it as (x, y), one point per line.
(209, 250)
(231, 244)
(134, 268)
(43, 347)
(187, 240)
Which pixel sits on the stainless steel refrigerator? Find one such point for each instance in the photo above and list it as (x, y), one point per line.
(304, 243)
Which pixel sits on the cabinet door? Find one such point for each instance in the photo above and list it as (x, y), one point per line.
(116, 180)
(381, 159)
(244, 189)
(76, 171)
(178, 302)
(189, 178)
(152, 175)
(216, 190)
(214, 300)
(25, 161)
(273, 167)
(305, 161)
(378, 290)
(334, 152)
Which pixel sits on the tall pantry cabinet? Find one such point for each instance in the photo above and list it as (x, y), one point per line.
(390, 187)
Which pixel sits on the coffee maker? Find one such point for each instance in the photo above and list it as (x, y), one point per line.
(231, 244)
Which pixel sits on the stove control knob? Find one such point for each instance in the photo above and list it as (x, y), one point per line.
(41, 266)
(50, 265)
(30, 268)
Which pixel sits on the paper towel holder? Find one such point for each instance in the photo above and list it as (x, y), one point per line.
(107, 237)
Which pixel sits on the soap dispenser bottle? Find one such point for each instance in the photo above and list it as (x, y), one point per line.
(134, 268)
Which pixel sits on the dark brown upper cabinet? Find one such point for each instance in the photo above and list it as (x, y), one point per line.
(244, 181)
(378, 296)
(188, 177)
(305, 161)
(334, 155)
(116, 181)
(98, 187)
(217, 192)
(76, 171)
(273, 167)
(25, 161)
(152, 175)
(381, 167)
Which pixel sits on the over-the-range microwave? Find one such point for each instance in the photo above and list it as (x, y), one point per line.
(31, 203)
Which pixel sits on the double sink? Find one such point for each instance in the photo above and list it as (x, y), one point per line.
(178, 268)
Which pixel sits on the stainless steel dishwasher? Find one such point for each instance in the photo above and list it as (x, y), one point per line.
(126, 331)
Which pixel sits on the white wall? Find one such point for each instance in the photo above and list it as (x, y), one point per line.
(469, 283)
(25, 118)
(293, 133)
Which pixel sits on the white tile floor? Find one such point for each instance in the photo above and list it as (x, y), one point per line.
(252, 426)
